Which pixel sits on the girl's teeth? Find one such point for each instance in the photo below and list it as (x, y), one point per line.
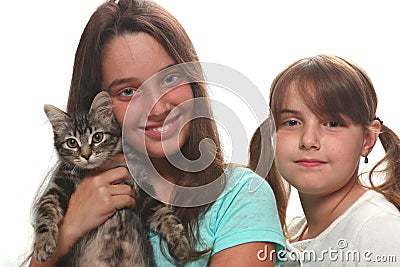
(162, 129)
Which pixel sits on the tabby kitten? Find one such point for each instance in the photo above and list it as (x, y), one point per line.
(83, 143)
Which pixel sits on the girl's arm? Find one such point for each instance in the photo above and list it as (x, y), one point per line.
(249, 254)
(247, 230)
(96, 198)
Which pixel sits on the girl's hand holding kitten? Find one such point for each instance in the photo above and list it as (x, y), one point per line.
(96, 199)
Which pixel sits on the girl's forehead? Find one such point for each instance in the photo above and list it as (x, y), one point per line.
(296, 93)
(292, 100)
(305, 98)
(301, 97)
(135, 57)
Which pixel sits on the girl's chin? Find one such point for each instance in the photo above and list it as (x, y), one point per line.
(157, 150)
(161, 153)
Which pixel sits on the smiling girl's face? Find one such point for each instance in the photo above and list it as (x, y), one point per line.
(155, 114)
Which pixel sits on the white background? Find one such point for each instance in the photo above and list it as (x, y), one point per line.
(257, 38)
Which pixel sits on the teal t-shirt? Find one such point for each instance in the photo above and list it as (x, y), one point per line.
(245, 212)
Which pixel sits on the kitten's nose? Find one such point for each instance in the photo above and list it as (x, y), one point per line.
(86, 156)
(86, 153)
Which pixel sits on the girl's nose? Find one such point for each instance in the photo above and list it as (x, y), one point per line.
(161, 108)
(310, 137)
(157, 103)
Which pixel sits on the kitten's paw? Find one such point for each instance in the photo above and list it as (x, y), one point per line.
(44, 250)
(180, 248)
(168, 225)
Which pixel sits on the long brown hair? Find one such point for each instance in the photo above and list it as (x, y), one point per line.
(333, 87)
(113, 19)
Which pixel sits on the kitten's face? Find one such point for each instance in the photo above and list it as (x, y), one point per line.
(87, 140)
(87, 146)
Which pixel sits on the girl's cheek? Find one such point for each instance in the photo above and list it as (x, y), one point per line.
(119, 111)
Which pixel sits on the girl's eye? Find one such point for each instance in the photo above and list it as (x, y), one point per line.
(333, 124)
(97, 138)
(129, 91)
(171, 79)
(72, 143)
(291, 123)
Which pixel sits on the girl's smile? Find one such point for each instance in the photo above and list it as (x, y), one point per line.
(164, 129)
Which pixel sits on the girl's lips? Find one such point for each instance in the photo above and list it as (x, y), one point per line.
(164, 129)
(310, 162)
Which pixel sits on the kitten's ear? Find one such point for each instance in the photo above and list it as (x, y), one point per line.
(102, 106)
(56, 116)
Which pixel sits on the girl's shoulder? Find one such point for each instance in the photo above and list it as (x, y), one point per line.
(373, 204)
(371, 218)
(242, 179)
(238, 173)
(370, 225)
(379, 225)
(245, 212)
(369, 208)
(245, 193)
(376, 212)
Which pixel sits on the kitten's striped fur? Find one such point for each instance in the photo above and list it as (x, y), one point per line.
(84, 142)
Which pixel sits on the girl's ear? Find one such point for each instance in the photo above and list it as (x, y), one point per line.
(370, 137)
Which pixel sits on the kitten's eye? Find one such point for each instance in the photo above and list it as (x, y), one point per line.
(72, 143)
(97, 137)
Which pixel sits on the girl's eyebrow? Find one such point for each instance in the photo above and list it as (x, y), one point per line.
(132, 79)
(122, 81)
(290, 111)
